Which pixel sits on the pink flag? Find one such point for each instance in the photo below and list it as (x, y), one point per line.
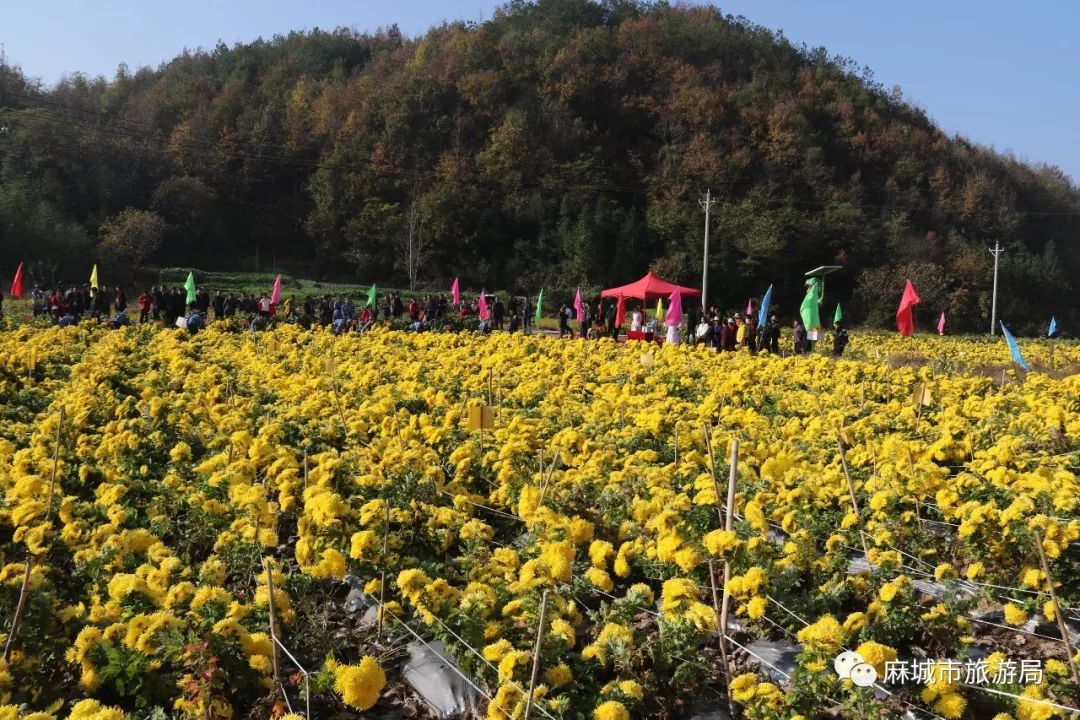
(275, 294)
(674, 314)
(941, 324)
(483, 305)
(750, 307)
(578, 307)
(455, 290)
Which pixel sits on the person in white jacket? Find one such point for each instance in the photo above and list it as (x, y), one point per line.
(673, 335)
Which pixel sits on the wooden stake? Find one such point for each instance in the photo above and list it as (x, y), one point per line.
(24, 589)
(1062, 628)
(337, 399)
(722, 635)
(536, 654)
(854, 502)
(273, 622)
(491, 399)
(712, 470)
(305, 468)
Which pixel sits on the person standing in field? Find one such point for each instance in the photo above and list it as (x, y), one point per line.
(799, 338)
(146, 303)
(564, 322)
(691, 325)
(840, 339)
(769, 340)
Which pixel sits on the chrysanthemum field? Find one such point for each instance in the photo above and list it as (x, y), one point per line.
(135, 549)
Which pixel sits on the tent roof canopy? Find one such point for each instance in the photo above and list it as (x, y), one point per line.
(649, 288)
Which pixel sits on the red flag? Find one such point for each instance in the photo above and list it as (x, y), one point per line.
(579, 308)
(482, 307)
(620, 312)
(16, 284)
(905, 323)
(455, 290)
(275, 292)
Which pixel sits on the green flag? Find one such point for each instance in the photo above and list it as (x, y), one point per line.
(371, 296)
(539, 306)
(189, 285)
(837, 316)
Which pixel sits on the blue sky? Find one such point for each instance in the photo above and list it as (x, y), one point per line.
(1002, 73)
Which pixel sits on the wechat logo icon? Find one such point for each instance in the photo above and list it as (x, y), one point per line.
(851, 666)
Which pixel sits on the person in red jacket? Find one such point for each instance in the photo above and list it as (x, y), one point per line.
(146, 304)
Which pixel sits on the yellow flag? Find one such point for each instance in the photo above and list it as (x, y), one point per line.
(93, 277)
(659, 309)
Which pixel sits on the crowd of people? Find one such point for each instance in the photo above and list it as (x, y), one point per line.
(712, 329)
(169, 307)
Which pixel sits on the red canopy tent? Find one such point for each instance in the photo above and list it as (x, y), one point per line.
(649, 288)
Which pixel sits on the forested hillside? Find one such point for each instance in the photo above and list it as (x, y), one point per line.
(561, 143)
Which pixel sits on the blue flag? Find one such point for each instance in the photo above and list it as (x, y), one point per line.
(763, 311)
(1014, 348)
(1053, 327)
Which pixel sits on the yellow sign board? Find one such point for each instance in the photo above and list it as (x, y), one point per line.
(922, 395)
(329, 365)
(481, 417)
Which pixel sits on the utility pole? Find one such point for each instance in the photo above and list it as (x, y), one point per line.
(996, 252)
(706, 204)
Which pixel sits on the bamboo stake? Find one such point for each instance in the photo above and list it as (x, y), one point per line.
(854, 502)
(305, 468)
(382, 580)
(24, 589)
(676, 444)
(911, 466)
(729, 523)
(273, 622)
(547, 481)
(491, 400)
(1062, 628)
(712, 471)
(536, 654)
